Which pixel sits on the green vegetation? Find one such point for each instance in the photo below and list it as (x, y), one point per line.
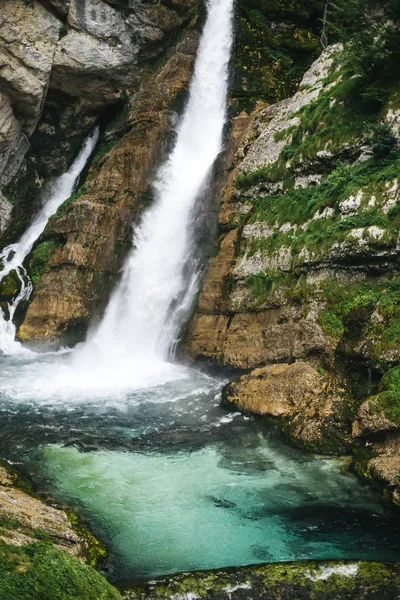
(288, 580)
(370, 29)
(40, 572)
(9, 286)
(389, 399)
(63, 31)
(103, 149)
(331, 323)
(120, 120)
(65, 207)
(39, 258)
(95, 552)
(275, 43)
(262, 284)
(345, 303)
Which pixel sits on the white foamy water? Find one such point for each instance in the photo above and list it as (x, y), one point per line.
(131, 348)
(13, 256)
(143, 316)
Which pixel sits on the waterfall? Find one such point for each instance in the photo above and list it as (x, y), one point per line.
(13, 256)
(130, 350)
(144, 313)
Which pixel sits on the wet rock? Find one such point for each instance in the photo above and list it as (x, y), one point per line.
(311, 406)
(25, 519)
(275, 390)
(326, 580)
(9, 287)
(97, 226)
(384, 467)
(371, 419)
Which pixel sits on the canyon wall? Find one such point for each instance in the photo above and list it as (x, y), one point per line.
(306, 269)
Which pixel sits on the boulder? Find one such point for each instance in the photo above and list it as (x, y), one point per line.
(311, 407)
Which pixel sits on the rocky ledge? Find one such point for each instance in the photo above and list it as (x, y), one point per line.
(331, 580)
(303, 290)
(45, 552)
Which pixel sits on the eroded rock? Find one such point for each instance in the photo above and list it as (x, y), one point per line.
(311, 405)
(26, 519)
(97, 226)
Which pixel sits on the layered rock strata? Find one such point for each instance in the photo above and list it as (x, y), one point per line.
(306, 271)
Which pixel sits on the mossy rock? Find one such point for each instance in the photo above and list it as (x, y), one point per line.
(274, 45)
(39, 258)
(95, 553)
(9, 286)
(328, 580)
(388, 400)
(40, 572)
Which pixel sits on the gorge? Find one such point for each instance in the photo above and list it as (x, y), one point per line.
(154, 369)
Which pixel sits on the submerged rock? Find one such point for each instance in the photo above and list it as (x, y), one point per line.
(330, 580)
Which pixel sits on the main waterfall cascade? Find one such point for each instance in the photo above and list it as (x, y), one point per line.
(13, 256)
(140, 323)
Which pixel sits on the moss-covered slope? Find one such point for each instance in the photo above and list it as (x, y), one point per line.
(339, 580)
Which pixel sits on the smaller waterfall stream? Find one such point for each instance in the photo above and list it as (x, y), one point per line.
(13, 256)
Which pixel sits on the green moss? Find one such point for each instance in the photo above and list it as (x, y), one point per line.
(262, 284)
(65, 207)
(39, 258)
(95, 552)
(389, 399)
(10, 285)
(63, 31)
(40, 572)
(103, 149)
(331, 323)
(269, 60)
(377, 581)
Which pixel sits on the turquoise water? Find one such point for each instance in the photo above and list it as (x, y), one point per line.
(172, 482)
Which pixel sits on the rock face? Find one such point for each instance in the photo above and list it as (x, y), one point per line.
(276, 390)
(91, 235)
(25, 519)
(312, 407)
(28, 39)
(62, 64)
(330, 580)
(306, 267)
(281, 289)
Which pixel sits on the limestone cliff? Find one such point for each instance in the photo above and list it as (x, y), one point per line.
(307, 261)
(109, 52)
(62, 64)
